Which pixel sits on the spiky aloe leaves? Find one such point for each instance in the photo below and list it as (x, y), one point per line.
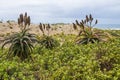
(49, 42)
(20, 44)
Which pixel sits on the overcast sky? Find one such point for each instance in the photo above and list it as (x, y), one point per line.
(52, 11)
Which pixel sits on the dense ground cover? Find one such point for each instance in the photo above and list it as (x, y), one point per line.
(69, 61)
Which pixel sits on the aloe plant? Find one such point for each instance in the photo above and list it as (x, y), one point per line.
(20, 42)
(87, 32)
(46, 40)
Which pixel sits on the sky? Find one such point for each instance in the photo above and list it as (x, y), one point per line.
(59, 11)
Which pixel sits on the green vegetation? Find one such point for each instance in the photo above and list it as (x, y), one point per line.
(98, 61)
(69, 61)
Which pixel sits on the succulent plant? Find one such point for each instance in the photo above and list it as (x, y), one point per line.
(21, 42)
(46, 40)
(87, 33)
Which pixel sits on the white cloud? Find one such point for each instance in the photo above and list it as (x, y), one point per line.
(60, 8)
(66, 4)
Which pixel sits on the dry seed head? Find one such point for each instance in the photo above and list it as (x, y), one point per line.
(77, 22)
(40, 26)
(87, 19)
(48, 27)
(90, 16)
(82, 25)
(96, 21)
(21, 18)
(44, 26)
(74, 27)
(25, 21)
(25, 14)
(28, 20)
(19, 21)
(82, 21)
(91, 19)
(24, 18)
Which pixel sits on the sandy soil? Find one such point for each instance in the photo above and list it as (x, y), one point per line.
(12, 27)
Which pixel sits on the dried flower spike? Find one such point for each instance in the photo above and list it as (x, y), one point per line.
(77, 22)
(44, 26)
(82, 25)
(41, 28)
(87, 19)
(48, 27)
(28, 20)
(19, 21)
(96, 21)
(74, 27)
(90, 16)
(21, 18)
(25, 21)
(84, 21)
(25, 14)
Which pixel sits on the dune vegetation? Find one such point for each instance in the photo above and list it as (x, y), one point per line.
(87, 54)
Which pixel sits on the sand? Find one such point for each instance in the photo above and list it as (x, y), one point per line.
(12, 27)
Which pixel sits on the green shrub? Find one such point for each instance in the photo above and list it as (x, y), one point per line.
(67, 62)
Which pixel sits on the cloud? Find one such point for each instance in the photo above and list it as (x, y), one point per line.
(60, 9)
